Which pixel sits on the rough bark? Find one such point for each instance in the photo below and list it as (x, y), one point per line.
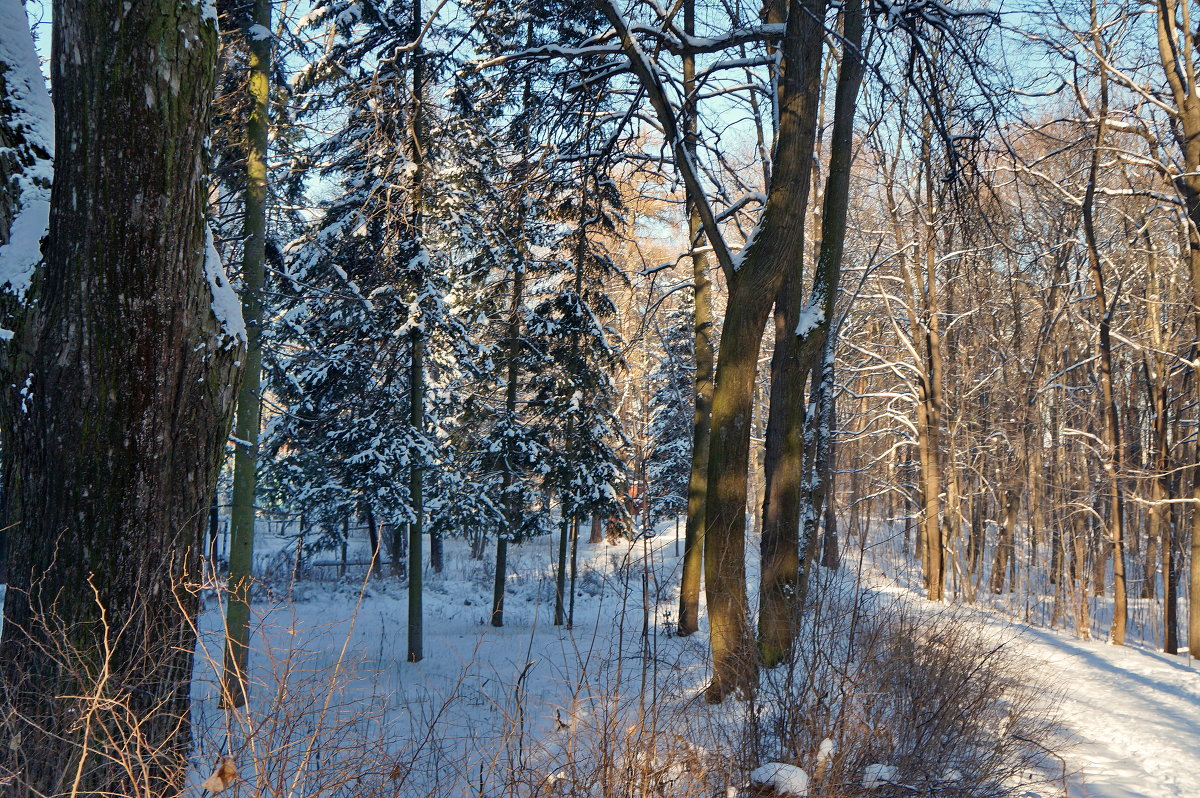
(752, 289)
(798, 438)
(120, 423)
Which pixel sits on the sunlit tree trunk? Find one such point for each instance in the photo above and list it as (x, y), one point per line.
(249, 405)
(693, 547)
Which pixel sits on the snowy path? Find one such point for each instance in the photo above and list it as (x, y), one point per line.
(1134, 714)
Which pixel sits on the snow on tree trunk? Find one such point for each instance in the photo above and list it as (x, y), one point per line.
(126, 380)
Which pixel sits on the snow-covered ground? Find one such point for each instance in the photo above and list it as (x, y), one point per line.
(485, 701)
(1131, 715)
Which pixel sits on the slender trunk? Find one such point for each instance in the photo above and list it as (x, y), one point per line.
(574, 572)
(693, 546)
(830, 551)
(509, 492)
(1108, 401)
(373, 536)
(214, 533)
(560, 574)
(508, 496)
(345, 546)
(416, 385)
(1004, 545)
(398, 549)
(249, 405)
(415, 572)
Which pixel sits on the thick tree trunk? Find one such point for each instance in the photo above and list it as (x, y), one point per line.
(751, 292)
(783, 459)
(120, 423)
(249, 405)
(799, 439)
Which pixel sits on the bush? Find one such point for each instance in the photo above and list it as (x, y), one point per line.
(904, 702)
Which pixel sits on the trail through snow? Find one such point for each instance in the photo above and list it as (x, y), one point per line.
(1133, 714)
(1130, 715)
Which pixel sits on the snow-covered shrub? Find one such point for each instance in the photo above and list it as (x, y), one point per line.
(897, 701)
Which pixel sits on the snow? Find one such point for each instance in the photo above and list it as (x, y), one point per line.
(788, 780)
(1130, 714)
(454, 712)
(208, 11)
(33, 118)
(877, 775)
(744, 252)
(810, 318)
(1133, 716)
(225, 304)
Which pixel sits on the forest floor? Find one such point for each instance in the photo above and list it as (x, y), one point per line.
(485, 705)
(486, 702)
(489, 703)
(1133, 714)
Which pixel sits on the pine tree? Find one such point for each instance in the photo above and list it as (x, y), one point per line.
(672, 404)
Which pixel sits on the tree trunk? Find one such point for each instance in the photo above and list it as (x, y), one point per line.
(1004, 544)
(112, 454)
(799, 440)
(373, 536)
(415, 572)
(1108, 401)
(560, 574)
(693, 545)
(249, 405)
(416, 394)
(752, 288)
